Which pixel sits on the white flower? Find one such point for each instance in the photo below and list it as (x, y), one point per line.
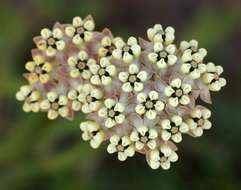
(80, 65)
(107, 47)
(144, 136)
(93, 133)
(126, 51)
(55, 105)
(162, 157)
(158, 34)
(102, 72)
(133, 80)
(39, 69)
(86, 97)
(30, 97)
(163, 55)
(149, 104)
(112, 112)
(122, 145)
(51, 41)
(198, 121)
(80, 30)
(192, 59)
(173, 129)
(191, 48)
(178, 92)
(212, 77)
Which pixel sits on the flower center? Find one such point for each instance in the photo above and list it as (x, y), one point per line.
(144, 139)
(89, 98)
(132, 78)
(111, 113)
(178, 92)
(101, 71)
(51, 41)
(149, 104)
(163, 159)
(200, 122)
(126, 48)
(174, 130)
(55, 105)
(80, 30)
(194, 64)
(120, 148)
(216, 77)
(163, 54)
(38, 70)
(81, 65)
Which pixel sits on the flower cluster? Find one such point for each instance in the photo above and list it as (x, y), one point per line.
(138, 95)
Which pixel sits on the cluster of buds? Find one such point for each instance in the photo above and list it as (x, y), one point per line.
(138, 95)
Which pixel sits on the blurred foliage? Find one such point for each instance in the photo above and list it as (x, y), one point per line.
(39, 154)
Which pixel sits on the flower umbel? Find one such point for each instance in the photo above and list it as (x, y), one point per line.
(140, 95)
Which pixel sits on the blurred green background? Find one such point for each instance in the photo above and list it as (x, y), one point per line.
(36, 153)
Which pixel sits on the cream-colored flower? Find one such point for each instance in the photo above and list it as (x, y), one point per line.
(80, 65)
(192, 46)
(143, 136)
(122, 145)
(198, 121)
(212, 77)
(192, 59)
(173, 128)
(163, 55)
(112, 112)
(158, 34)
(133, 80)
(39, 69)
(80, 30)
(92, 132)
(126, 51)
(107, 47)
(86, 97)
(51, 41)
(30, 97)
(178, 92)
(103, 72)
(149, 104)
(55, 105)
(163, 157)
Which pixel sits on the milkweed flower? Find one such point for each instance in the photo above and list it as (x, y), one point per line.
(80, 30)
(173, 128)
(103, 72)
(39, 69)
(51, 41)
(126, 51)
(107, 47)
(162, 158)
(112, 112)
(92, 132)
(149, 104)
(142, 136)
(122, 145)
(80, 65)
(158, 34)
(55, 105)
(178, 92)
(212, 77)
(163, 56)
(133, 79)
(139, 95)
(30, 97)
(198, 120)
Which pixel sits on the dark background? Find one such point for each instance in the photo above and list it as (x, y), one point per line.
(36, 153)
